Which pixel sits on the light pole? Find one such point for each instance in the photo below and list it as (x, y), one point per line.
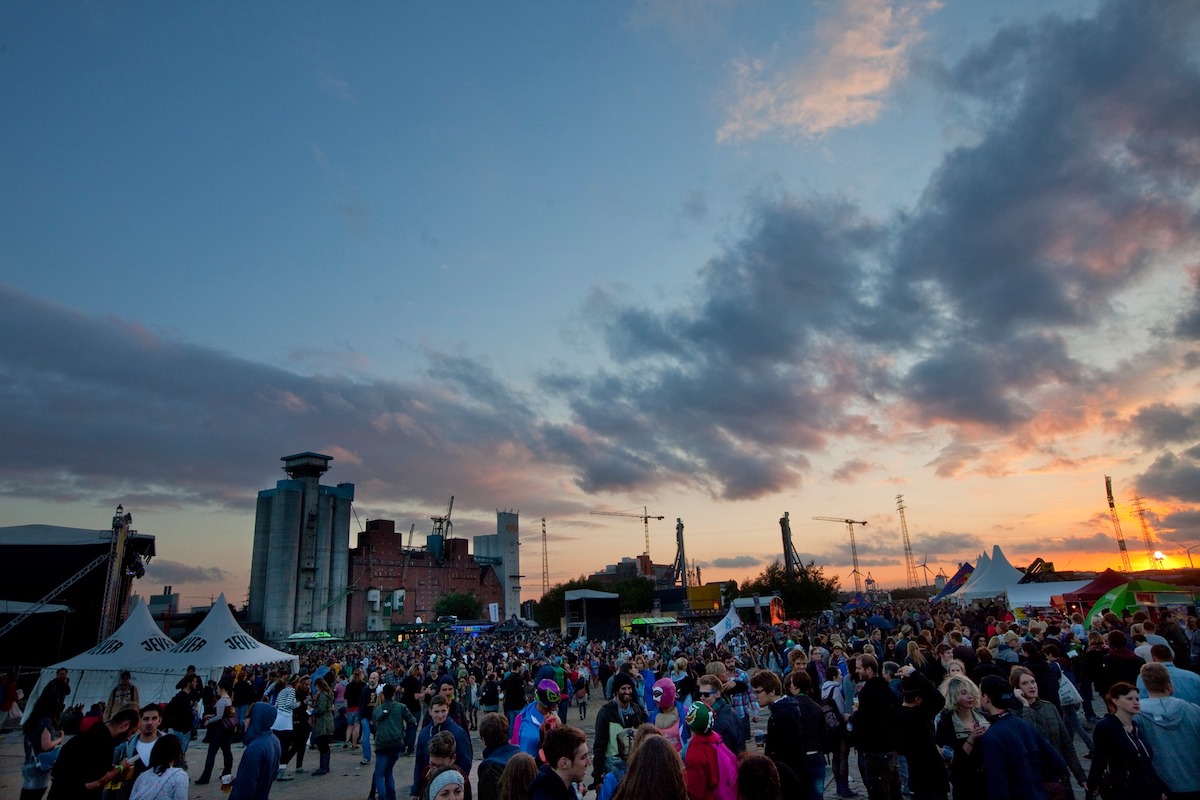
(1188, 549)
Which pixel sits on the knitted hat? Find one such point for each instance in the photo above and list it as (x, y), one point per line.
(547, 692)
(664, 693)
(449, 776)
(621, 679)
(699, 719)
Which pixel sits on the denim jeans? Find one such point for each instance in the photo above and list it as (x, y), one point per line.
(385, 780)
(815, 764)
(366, 737)
(1070, 717)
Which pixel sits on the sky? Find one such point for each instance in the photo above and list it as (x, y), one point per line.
(719, 259)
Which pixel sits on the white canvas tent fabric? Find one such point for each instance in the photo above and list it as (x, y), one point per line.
(95, 672)
(216, 643)
(981, 566)
(1038, 595)
(994, 581)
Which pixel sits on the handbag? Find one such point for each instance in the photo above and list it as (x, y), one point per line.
(1057, 789)
(45, 760)
(1068, 695)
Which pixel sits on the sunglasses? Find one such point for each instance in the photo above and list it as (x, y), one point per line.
(708, 694)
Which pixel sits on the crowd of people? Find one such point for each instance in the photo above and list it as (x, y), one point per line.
(926, 702)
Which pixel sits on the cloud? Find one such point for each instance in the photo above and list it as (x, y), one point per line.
(173, 572)
(1172, 476)
(849, 471)
(1166, 423)
(735, 562)
(859, 52)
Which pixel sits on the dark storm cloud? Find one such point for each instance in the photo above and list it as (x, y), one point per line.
(172, 572)
(94, 408)
(1079, 179)
(1166, 423)
(1096, 543)
(1182, 525)
(1172, 476)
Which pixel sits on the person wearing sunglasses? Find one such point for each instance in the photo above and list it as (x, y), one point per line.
(726, 722)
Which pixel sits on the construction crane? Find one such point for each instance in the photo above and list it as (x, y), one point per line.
(1112, 512)
(442, 526)
(407, 558)
(909, 561)
(791, 559)
(850, 523)
(679, 572)
(645, 517)
(545, 562)
(1139, 508)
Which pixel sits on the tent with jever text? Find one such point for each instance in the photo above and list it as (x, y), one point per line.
(93, 673)
(217, 643)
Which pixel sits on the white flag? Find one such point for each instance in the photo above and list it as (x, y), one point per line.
(727, 624)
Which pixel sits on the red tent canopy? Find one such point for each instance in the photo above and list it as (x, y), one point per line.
(1105, 581)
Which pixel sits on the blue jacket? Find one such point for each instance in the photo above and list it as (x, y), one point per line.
(260, 763)
(463, 755)
(531, 729)
(1016, 757)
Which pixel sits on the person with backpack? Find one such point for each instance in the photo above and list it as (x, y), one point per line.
(835, 713)
(709, 766)
(527, 727)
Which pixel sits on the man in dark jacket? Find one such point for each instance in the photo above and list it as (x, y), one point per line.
(439, 716)
(1015, 754)
(84, 766)
(726, 722)
(874, 731)
(493, 731)
(616, 718)
(786, 741)
(567, 758)
(259, 765)
(927, 778)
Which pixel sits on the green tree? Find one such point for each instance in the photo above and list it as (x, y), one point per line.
(459, 604)
(637, 594)
(805, 594)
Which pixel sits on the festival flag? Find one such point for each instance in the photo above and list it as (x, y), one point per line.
(727, 624)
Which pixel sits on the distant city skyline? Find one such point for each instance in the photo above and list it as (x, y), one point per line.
(718, 259)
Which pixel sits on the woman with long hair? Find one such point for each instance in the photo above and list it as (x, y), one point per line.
(322, 722)
(655, 772)
(220, 734)
(354, 690)
(1121, 760)
(960, 729)
(165, 779)
(518, 773)
(1046, 718)
(41, 735)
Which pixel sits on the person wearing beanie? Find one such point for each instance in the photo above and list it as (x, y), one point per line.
(1015, 755)
(619, 715)
(533, 716)
(705, 767)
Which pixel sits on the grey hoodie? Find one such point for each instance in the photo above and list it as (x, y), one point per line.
(1172, 728)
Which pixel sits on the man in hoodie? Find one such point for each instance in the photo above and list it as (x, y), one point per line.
(439, 716)
(1172, 728)
(531, 718)
(260, 761)
(1185, 684)
(567, 760)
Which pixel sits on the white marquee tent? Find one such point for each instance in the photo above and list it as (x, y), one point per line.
(1038, 595)
(992, 581)
(95, 672)
(217, 643)
(981, 566)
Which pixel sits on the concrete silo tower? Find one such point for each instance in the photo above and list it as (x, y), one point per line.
(299, 566)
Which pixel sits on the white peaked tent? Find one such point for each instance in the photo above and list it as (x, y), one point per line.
(217, 643)
(995, 580)
(95, 672)
(981, 566)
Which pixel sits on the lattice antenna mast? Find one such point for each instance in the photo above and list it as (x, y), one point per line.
(545, 562)
(1112, 512)
(850, 523)
(909, 561)
(1139, 508)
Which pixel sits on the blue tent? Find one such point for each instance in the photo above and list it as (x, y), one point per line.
(858, 601)
(955, 583)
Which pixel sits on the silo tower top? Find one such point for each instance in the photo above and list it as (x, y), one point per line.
(306, 465)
